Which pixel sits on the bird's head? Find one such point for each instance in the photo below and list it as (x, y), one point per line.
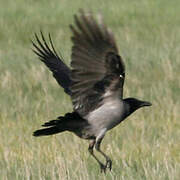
(133, 104)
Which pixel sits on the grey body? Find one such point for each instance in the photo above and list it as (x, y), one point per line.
(95, 84)
(107, 116)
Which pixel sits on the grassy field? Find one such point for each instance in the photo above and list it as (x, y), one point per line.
(145, 146)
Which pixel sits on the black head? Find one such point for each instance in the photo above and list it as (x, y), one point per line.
(133, 104)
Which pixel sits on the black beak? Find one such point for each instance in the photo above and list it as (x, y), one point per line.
(146, 103)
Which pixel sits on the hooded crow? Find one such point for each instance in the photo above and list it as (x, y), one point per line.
(94, 83)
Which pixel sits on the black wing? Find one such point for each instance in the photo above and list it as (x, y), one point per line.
(98, 71)
(60, 70)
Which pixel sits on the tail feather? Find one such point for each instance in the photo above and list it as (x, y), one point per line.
(70, 122)
(48, 131)
(52, 123)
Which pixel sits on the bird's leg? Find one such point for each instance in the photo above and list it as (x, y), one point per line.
(108, 160)
(90, 149)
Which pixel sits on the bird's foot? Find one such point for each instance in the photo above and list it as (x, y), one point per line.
(109, 164)
(103, 168)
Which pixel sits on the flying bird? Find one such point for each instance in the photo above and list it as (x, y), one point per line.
(94, 83)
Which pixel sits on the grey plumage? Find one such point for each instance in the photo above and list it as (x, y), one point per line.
(95, 83)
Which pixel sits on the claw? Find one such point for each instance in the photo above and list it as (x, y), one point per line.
(103, 168)
(109, 164)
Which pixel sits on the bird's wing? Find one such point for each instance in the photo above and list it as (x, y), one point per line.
(98, 71)
(50, 58)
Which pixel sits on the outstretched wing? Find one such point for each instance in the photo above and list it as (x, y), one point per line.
(98, 71)
(50, 58)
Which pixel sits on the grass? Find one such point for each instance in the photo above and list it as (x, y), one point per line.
(145, 146)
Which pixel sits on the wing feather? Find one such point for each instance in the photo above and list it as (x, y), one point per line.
(96, 65)
(50, 58)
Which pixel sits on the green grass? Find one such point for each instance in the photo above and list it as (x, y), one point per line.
(145, 146)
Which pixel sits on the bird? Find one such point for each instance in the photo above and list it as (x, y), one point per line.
(94, 82)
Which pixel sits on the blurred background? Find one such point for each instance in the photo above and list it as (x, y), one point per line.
(145, 146)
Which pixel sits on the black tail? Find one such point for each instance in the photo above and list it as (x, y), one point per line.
(71, 122)
(47, 131)
(54, 127)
